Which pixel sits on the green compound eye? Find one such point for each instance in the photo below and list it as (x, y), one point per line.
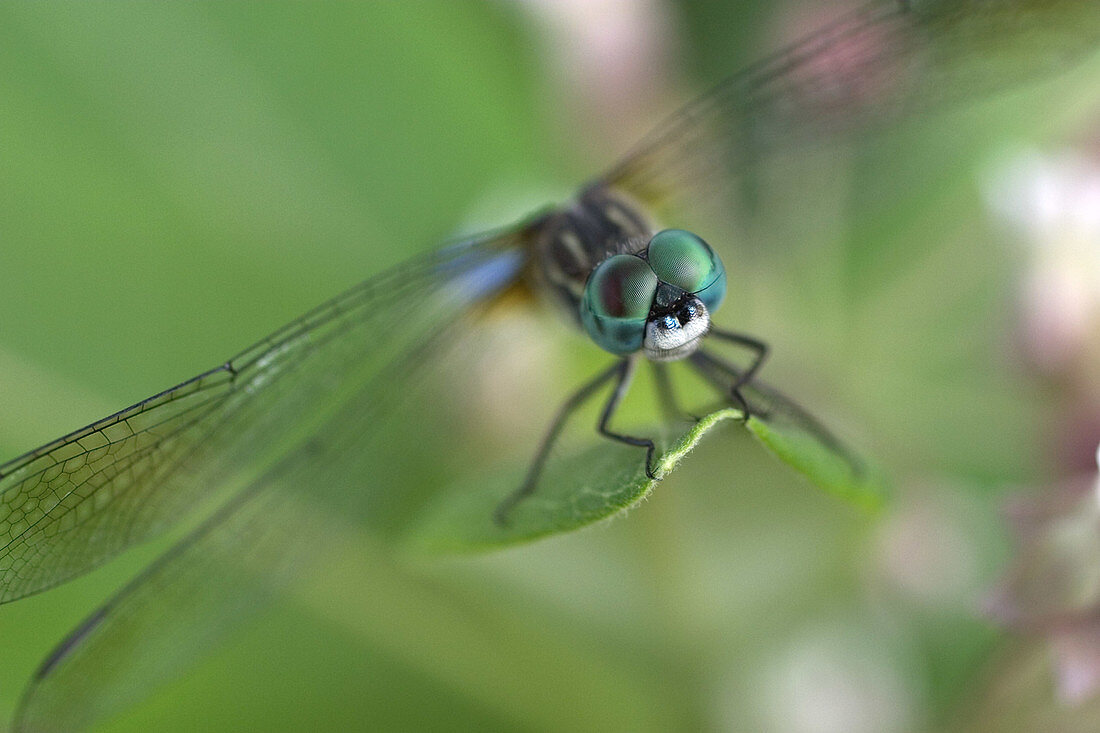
(682, 259)
(616, 303)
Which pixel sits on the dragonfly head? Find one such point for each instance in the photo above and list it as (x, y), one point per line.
(658, 301)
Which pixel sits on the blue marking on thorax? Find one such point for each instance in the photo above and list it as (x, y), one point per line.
(479, 276)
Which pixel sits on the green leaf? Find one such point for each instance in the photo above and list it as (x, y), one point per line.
(832, 471)
(583, 488)
(608, 478)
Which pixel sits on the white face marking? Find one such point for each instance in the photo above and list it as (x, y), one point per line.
(669, 339)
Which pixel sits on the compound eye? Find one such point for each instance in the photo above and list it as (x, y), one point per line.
(617, 300)
(682, 259)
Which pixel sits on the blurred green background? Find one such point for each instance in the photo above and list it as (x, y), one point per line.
(177, 180)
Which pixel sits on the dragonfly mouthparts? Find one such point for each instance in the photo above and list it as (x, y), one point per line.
(677, 332)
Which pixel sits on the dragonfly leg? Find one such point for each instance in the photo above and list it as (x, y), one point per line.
(578, 398)
(626, 374)
(760, 353)
(719, 374)
(770, 401)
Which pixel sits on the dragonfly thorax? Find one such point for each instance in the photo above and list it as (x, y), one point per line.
(573, 240)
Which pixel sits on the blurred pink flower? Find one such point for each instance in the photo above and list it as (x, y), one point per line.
(614, 59)
(1053, 204)
(1052, 588)
(1053, 201)
(941, 574)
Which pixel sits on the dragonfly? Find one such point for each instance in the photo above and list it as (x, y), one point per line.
(618, 260)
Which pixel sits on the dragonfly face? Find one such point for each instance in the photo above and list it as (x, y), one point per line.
(657, 301)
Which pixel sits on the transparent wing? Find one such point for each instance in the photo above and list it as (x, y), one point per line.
(216, 579)
(289, 523)
(78, 501)
(888, 59)
(169, 616)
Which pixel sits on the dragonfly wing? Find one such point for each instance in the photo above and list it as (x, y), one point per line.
(213, 582)
(885, 60)
(281, 526)
(78, 501)
(128, 646)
